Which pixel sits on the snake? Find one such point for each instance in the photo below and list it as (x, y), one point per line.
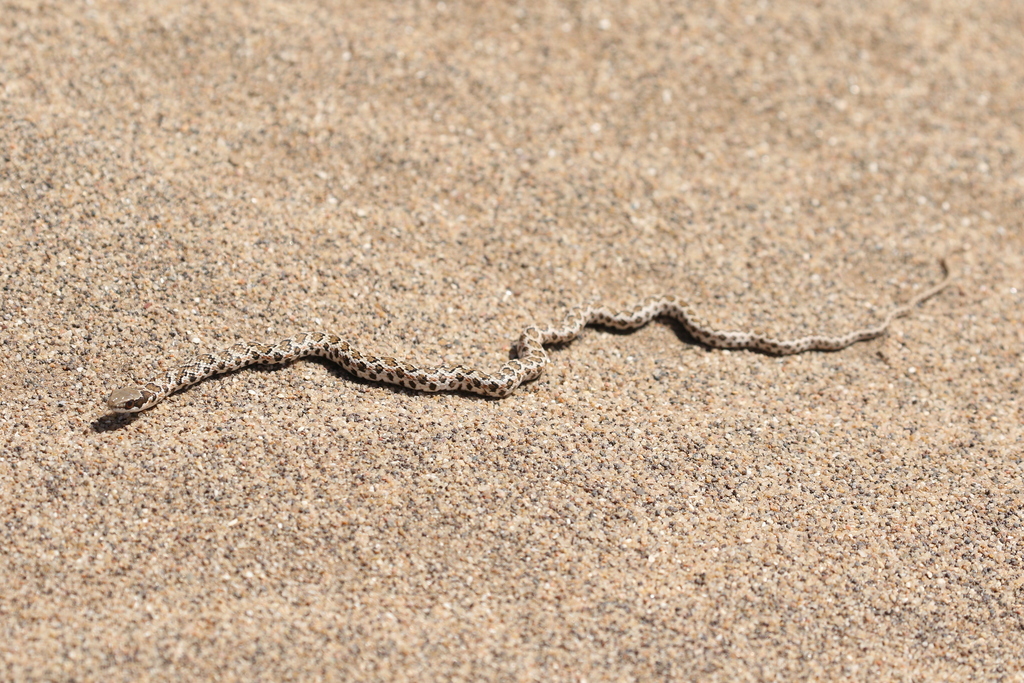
(528, 357)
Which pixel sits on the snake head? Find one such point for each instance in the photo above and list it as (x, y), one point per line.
(130, 399)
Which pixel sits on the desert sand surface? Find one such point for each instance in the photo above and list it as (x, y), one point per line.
(426, 179)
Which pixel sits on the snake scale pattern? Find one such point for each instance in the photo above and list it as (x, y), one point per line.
(529, 356)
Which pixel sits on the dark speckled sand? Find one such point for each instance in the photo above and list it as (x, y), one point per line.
(428, 178)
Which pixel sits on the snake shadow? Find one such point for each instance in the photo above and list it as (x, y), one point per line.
(678, 328)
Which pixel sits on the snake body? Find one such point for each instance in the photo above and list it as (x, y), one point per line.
(527, 364)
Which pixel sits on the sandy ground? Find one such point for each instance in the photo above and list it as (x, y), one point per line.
(427, 179)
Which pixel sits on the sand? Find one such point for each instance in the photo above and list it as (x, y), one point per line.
(426, 179)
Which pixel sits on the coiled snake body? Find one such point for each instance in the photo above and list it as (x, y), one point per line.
(529, 354)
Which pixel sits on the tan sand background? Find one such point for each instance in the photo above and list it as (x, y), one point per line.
(427, 178)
